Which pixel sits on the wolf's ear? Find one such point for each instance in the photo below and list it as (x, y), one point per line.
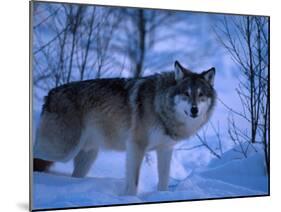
(180, 71)
(209, 75)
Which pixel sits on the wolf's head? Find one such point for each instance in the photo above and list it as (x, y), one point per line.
(194, 94)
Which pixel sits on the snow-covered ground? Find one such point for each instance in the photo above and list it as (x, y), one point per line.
(230, 176)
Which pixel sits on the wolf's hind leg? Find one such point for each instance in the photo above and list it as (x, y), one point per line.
(83, 162)
(163, 160)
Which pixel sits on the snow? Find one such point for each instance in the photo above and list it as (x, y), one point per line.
(248, 172)
(226, 177)
(53, 191)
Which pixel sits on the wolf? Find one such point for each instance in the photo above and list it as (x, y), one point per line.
(135, 115)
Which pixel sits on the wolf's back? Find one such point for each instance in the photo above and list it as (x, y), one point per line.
(66, 108)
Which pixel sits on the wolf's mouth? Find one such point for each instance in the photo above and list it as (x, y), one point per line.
(193, 116)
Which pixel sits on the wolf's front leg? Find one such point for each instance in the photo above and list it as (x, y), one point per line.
(134, 157)
(164, 156)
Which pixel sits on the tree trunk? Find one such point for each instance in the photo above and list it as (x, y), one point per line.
(141, 44)
(252, 82)
(82, 71)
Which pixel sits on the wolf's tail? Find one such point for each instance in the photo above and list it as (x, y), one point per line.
(41, 165)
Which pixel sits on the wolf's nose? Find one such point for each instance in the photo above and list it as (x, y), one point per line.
(194, 110)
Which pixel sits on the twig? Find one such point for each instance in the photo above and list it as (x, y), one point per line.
(207, 146)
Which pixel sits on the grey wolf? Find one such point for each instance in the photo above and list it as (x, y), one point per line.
(131, 114)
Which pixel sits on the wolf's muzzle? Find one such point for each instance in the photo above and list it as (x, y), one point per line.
(194, 111)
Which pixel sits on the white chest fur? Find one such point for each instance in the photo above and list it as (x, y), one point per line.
(157, 138)
(192, 125)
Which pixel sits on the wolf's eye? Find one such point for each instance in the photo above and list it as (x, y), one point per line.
(200, 94)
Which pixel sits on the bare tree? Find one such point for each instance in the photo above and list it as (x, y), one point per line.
(137, 37)
(75, 16)
(72, 43)
(54, 53)
(105, 36)
(246, 40)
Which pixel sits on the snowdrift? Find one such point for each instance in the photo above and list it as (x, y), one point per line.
(230, 176)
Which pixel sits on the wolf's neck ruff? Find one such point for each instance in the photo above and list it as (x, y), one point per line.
(165, 111)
